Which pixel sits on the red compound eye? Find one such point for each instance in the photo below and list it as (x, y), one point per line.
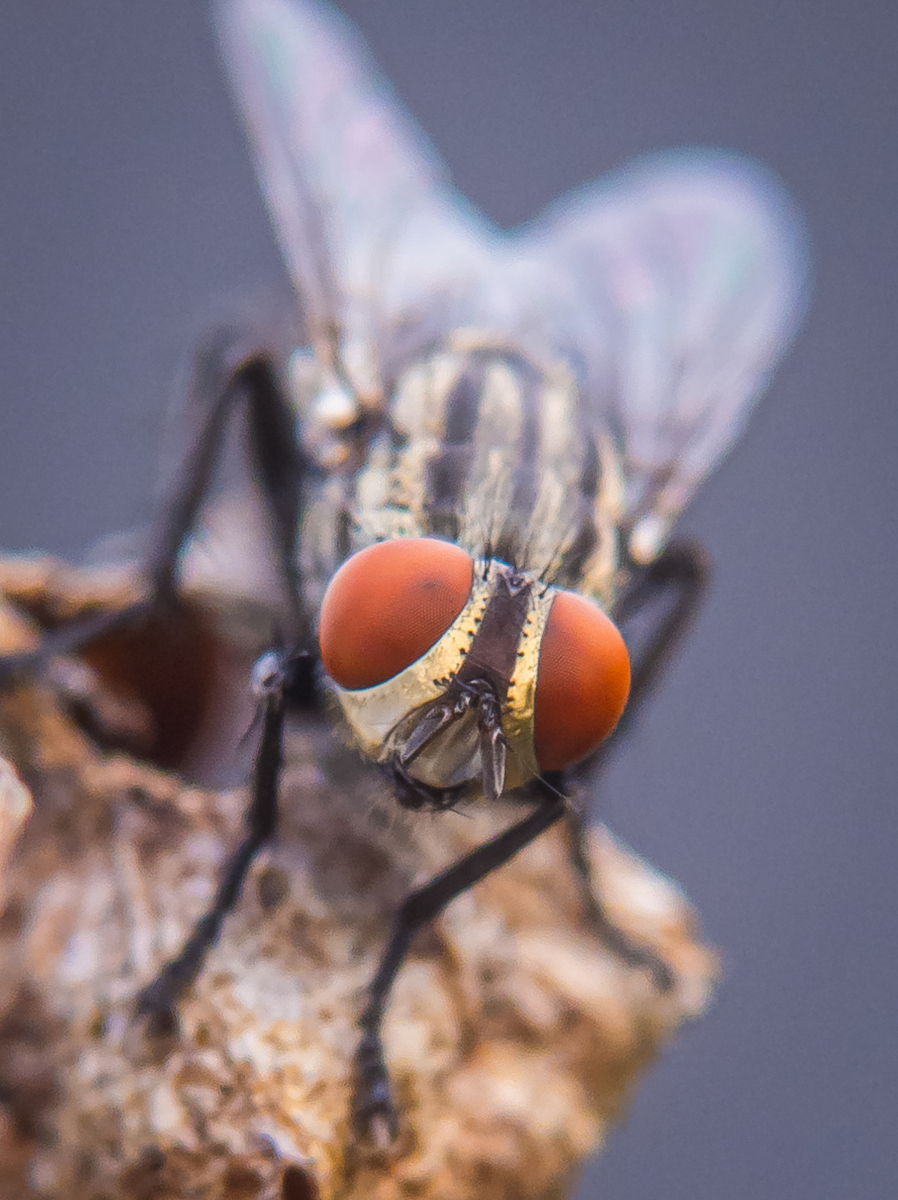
(582, 682)
(388, 604)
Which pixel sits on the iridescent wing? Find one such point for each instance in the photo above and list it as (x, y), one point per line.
(383, 253)
(674, 287)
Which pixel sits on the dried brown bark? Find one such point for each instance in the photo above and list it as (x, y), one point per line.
(514, 1037)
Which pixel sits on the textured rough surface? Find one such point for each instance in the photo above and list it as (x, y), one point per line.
(514, 1037)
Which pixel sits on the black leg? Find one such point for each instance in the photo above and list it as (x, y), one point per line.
(230, 370)
(676, 580)
(620, 943)
(157, 1001)
(373, 1109)
(66, 640)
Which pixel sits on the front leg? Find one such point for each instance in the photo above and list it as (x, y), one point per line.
(629, 951)
(275, 680)
(676, 580)
(374, 1113)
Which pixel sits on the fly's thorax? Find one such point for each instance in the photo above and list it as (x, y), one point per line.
(477, 442)
(384, 717)
(483, 446)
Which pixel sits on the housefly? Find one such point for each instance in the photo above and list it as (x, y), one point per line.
(473, 468)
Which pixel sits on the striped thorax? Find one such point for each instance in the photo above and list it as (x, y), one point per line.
(481, 445)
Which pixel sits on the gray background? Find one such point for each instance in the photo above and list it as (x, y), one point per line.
(764, 776)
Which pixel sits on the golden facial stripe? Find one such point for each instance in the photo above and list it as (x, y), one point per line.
(520, 709)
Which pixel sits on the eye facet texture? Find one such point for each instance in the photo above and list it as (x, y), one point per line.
(388, 604)
(582, 682)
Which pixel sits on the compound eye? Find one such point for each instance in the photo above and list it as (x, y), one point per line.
(582, 682)
(388, 604)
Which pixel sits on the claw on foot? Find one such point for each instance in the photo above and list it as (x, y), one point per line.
(373, 1112)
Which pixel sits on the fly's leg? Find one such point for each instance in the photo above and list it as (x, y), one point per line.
(230, 371)
(618, 942)
(157, 1001)
(373, 1110)
(234, 371)
(676, 580)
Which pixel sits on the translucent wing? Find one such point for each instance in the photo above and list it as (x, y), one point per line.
(674, 287)
(382, 251)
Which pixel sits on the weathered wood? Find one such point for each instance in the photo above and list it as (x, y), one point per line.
(514, 1037)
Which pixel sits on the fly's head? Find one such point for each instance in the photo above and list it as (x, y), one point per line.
(466, 676)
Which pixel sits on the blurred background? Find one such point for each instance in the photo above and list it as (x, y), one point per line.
(764, 775)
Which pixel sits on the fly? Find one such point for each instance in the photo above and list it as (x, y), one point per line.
(473, 470)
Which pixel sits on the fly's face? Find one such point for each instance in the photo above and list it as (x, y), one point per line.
(466, 674)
